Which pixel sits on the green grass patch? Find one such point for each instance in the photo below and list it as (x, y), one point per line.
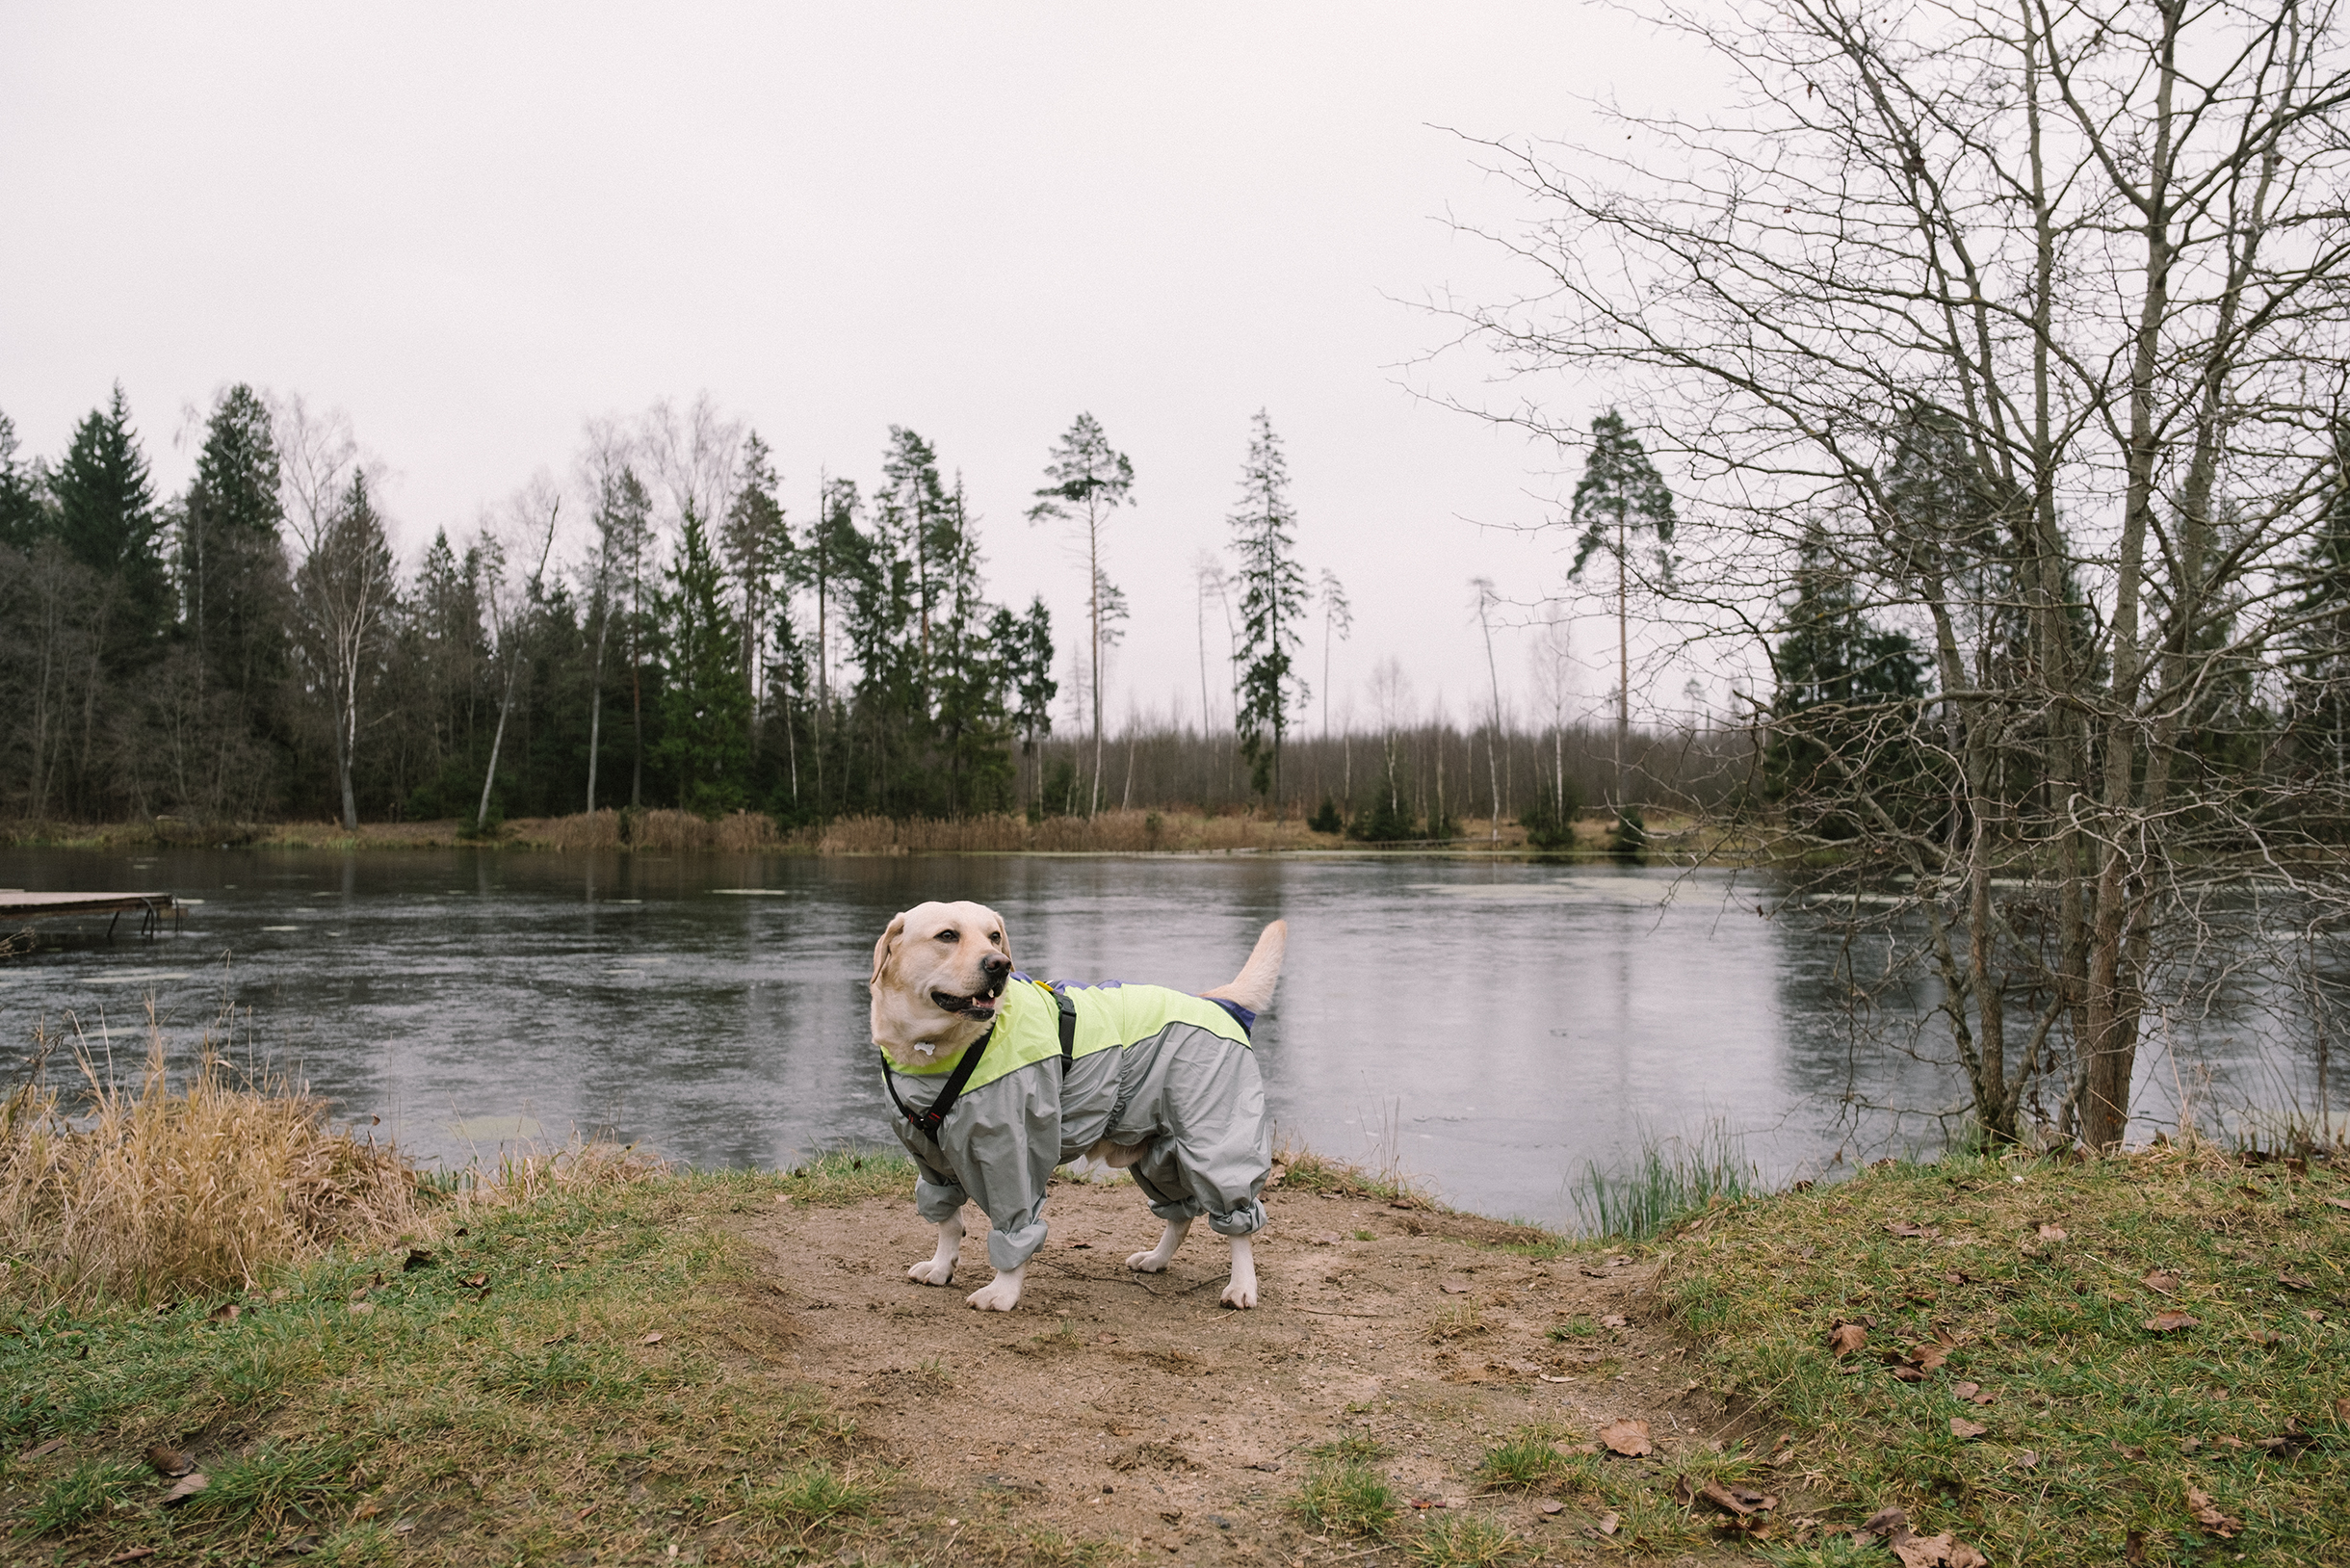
(1465, 1541)
(1353, 1450)
(1668, 1180)
(2020, 1297)
(1346, 1498)
(498, 1402)
(1522, 1464)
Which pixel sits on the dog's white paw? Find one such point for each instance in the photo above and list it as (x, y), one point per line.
(932, 1272)
(1241, 1293)
(999, 1294)
(1148, 1263)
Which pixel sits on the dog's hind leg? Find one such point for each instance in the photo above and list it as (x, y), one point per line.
(1241, 1292)
(1158, 1257)
(939, 1267)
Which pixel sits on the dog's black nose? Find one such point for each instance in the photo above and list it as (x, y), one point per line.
(995, 966)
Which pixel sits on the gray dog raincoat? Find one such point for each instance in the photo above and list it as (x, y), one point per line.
(1144, 1065)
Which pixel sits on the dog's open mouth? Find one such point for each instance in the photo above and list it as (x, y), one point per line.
(978, 1004)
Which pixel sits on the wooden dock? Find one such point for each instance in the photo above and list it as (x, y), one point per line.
(16, 904)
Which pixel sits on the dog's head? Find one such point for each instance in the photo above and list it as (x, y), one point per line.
(939, 973)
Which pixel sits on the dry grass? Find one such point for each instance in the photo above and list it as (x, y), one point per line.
(577, 1166)
(661, 832)
(1112, 832)
(154, 1189)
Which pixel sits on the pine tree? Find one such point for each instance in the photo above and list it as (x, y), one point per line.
(970, 680)
(234, 585)
(1024, 647)
(23, 515)
(1839, 723)
(757, 543)
(1621, 496)
(1274, 602)
(705, 701)
(108, 520)
(1085, 482)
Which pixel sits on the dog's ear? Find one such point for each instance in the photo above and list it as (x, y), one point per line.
(881, 948)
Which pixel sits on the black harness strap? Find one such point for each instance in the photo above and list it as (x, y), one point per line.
(928, 1122)
(1068, 1031)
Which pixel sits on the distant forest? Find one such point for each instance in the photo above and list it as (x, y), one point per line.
(249, 649)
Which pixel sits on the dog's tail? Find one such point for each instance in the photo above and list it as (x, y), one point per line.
(1253, 986)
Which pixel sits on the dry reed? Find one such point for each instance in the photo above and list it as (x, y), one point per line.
(577, 1166)
(156, 1190)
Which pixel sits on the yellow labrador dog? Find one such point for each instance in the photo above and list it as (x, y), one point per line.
(997, 1079)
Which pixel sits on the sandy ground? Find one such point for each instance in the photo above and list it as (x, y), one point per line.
(1135, 1408)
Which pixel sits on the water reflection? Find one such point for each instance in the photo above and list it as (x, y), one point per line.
(1495, 1026)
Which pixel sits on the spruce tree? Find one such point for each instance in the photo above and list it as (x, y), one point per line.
(705, 701)
(234, 585)
(23, 515)
(1621, 496)
(1839, 722)
(757, 543)
(108, 520)
(1275, 603)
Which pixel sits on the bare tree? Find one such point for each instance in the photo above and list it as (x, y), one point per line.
(528, 526)
(2021, 328)
(1085, 481)
(343, 583)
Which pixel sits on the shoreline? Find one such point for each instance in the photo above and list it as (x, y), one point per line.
(1109, 833)
(730, 1367)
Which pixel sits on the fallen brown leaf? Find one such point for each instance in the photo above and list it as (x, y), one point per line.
(2339, 1203)
(1457, 1287)
(186, 1487)
(1938, 1551)
(1929, 1357)
(1965, 1390)
(476, 1282)
(2170, 1323)
(418, 1257)
(654, 1338)
(1909, 1229)
(226, 1312)
(1906, 1373)
(1326, 1239)
(1613, 1320)
(2024, 1460)
(1962, 1428)
(2160, 1282)
(1738, 1500)
(1629, 1438)
(1607, 1524)
(131, 1555)
(361, 1309)
(1887, 1523)
(1549, 1507)
(2266, 1336)
(2293, 1282)
(170, 1461)
(2207, 1514)
(51, 1446)
(2312, 1314)
(1845, 1338)
(2342, 1411)
(2054, 1232)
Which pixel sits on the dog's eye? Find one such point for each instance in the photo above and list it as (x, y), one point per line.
(948, 936)
(997, 937)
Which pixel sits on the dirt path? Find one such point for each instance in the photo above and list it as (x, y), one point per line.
(1134, 1408)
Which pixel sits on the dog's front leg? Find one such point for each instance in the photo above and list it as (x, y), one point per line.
(1160, 1256)
(1241, 1292)
(939, 1267)
(1001, 1293)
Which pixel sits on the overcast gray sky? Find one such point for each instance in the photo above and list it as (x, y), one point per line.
(471, 227)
